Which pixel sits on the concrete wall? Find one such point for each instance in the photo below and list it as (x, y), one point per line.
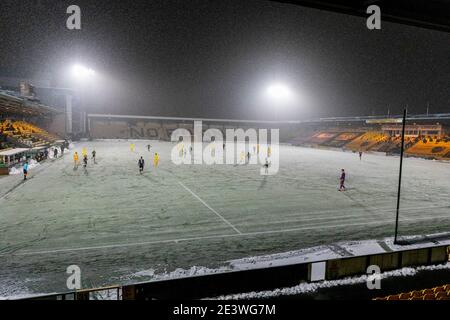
(273, 277)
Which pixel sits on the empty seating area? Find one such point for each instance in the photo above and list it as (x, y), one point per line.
(6, 145)
(36, 130)
(436, 293)
(322, 137)
(378, 141)
(24, 134)
(367, 141)
(389, 145)
(302, 138)
(431, 147)
(342, 139)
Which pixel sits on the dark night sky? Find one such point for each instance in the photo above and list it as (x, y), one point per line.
(215, 58)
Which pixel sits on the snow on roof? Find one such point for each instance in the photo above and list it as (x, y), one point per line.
(39, 148)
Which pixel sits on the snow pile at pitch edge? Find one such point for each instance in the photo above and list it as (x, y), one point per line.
(312, 287)
(14, 170)
(333, 251)
(193, 271)
(176, 274)
(31, 165)
(50, 153)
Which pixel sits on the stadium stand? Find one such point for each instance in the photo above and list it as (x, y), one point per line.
(392, 145)
(4, 144)
(302, 138)
(430, 147)
(436, 293)
(342, 139)
(367, 137)
(11, 103)
(367, 141)
(322, 137)
(110, 130)
(24, 134)
(17, 113)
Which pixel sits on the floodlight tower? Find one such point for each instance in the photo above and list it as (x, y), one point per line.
(280, 96)
(82, 76)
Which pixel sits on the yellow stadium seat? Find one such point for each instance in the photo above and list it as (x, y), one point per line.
(405, 296)
(429, 297)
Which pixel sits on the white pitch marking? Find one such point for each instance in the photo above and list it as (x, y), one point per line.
(308, 218)
(206, 205)
(247, 234)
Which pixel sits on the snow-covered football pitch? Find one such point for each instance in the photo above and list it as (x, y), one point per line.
(119, 226)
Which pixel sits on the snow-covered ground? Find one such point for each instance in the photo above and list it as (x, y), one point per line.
(119, 226)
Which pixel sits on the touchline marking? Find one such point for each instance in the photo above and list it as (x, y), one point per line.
(311, 215)
(22, 182)
(247, 234)
(206, 205)
(330, 219)
(17, 186)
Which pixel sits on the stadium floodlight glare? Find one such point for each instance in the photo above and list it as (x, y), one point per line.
(81, 72)
(279, 92)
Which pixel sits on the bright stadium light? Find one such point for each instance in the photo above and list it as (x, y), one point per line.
(82, 73)
(279, 92)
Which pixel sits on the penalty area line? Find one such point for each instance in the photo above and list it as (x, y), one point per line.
(209, 207)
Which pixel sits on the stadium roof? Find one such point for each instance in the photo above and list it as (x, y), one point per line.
(419, 117)
(11, 152)
(432, 14)
(12, 103)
